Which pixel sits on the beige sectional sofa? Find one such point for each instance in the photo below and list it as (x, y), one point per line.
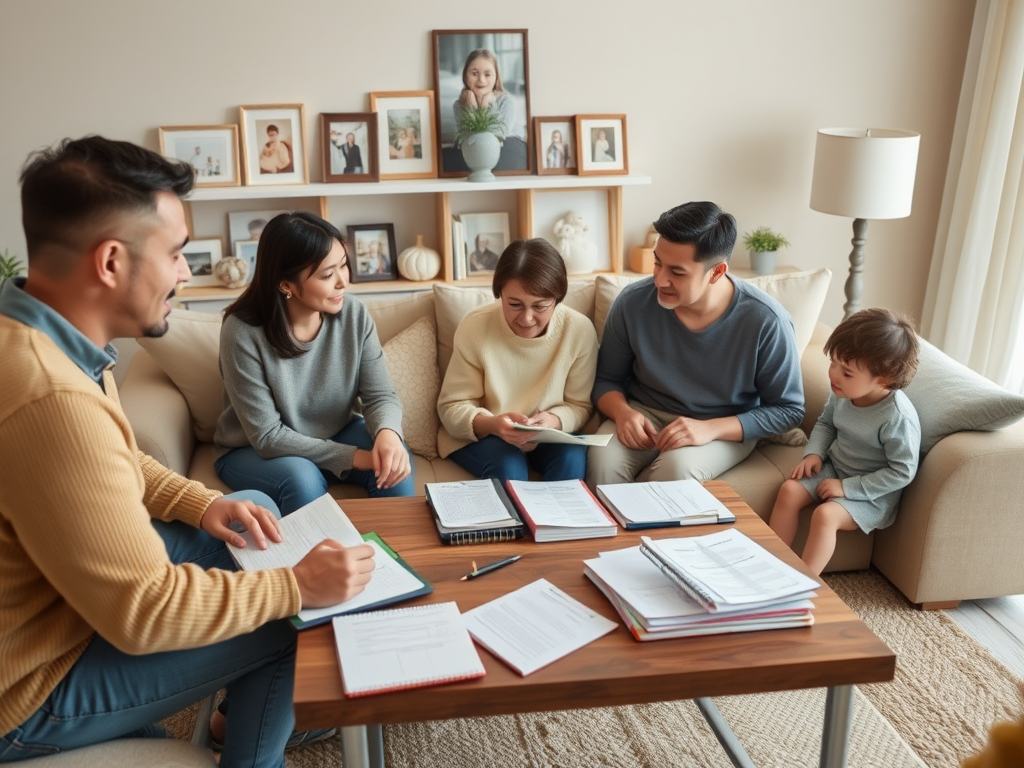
(960, 530)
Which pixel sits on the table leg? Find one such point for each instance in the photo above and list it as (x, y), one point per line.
(725, 735)
(835, 737)
(362, 746)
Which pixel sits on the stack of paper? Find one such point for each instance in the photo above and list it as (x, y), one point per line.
(663, 504)
(561, 510)
(473, 512)
(733, 585)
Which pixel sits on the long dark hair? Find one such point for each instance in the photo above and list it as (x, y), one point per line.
(291, 247)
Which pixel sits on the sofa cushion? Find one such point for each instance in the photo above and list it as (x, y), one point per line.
(950, 397)
(392, 316)
(801, 293)
(411, 357)
(188, 354)
(452, 303)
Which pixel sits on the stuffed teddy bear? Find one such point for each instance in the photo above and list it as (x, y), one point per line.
(579, 252)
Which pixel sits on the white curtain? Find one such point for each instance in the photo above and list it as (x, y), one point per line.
(972, 306)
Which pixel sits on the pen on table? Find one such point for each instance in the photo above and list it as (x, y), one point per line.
(488, 568)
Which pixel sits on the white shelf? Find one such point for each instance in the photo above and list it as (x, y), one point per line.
(415, 186)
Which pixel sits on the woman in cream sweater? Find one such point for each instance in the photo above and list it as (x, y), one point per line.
(524, 359)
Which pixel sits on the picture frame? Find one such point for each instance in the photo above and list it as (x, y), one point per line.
(274, 144)
(202, 255)
(554, 139)
(507, 54)
(601, 145)
(487, 236)
(211, 150)
(246, 250)
(348, 146)
(406, 147)
(247, 226)
(372, 253)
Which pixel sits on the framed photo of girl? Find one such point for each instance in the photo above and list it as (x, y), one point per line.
(371, 252)
(601, 144)
(405, 134)
(274, 144)
(555, 141)
(211, 150)
(483, 68)
(348, 146)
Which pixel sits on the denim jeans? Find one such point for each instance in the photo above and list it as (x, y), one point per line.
(108, 694)
(293, 481)
(493, 457)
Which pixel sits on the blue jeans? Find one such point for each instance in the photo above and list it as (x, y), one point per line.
(108, 694)
(493, 457)
(293, 481)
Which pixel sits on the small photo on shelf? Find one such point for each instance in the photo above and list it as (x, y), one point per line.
(372, 253)
(274, 144)
(601, 144)
(348, 146)
(248, 225)
(211, 150)
(405, 134)
(202, 256)
(555, 142)
(486, 236)
(246, 251)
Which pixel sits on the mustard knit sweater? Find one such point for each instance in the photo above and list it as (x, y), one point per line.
(495, 371)
(78, 554)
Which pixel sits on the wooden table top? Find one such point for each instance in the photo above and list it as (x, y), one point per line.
(838, 649)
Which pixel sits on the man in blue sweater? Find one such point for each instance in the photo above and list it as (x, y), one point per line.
(695, 366)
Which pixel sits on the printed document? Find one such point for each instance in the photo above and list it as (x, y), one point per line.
(550, 435)
(562, 503)
(663, 502)
(534, 626)
(467, 503)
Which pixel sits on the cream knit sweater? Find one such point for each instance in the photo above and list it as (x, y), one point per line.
(494, 371)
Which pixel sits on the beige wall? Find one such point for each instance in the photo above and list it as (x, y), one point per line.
(723, 98)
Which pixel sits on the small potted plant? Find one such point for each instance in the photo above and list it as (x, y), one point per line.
(480, 134)
(763, 244)
(10, 266)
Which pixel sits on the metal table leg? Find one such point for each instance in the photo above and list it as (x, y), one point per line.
(835, 736)
(725, 735)
(362, 746)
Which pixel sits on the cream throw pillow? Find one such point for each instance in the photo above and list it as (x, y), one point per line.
(411, 356)
(188, 353)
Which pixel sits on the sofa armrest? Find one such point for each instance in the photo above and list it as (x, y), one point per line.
(158, 413)
(814, 370)
(959, 531)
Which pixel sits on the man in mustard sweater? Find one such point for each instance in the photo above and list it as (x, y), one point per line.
(119, 604)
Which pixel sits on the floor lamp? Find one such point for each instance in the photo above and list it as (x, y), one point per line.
(863, 174)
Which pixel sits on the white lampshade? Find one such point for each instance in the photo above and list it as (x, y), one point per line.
(864, 173)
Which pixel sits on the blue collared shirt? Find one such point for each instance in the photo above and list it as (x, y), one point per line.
(20, 306)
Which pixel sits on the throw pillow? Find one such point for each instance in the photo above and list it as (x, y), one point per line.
(950, 397)
(411, 356)
(188, 354)
(452, 303)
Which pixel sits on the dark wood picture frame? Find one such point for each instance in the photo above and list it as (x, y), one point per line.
(542, 134)
(366, 263)
(510, 48)
(337, 161)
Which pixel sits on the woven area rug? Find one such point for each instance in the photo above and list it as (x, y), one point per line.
(947, 692)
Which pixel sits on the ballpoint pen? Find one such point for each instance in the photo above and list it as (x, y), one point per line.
(488, 568)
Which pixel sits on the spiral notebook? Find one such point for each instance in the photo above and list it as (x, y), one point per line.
(473, 512)
(383, 651)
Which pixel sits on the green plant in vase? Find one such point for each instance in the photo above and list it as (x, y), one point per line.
(763, 244)
(480, 133)
(10, 266)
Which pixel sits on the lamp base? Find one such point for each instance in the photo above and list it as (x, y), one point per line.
(855, 282)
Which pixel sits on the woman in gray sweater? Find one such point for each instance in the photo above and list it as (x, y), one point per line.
(307, 395)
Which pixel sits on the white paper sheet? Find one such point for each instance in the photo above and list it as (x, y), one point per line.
(653, 502)
(562, 503)
(549, 435)
(467, 503)
(534, 626)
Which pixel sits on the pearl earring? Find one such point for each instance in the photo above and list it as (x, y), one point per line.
(287, 294)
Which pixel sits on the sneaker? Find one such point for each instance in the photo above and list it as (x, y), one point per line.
(302, 738)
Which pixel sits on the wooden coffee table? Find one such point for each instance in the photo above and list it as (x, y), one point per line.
(837, 652)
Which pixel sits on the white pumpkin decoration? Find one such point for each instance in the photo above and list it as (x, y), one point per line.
(419, 262)
(231, 271)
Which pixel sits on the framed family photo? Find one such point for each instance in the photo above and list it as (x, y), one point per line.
(201, 256)
(483, 68)
(211, 150)
(247, 226)
(372, 253)
(487, 235)
(348, 146)
(555, 141)
(601, 144)
(274, 144)
(405, 134)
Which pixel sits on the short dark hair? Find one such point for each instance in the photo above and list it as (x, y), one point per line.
(291, 246)
(881, 341)
(68, 189)
(704, 225)
(273, 128)
(536, 265)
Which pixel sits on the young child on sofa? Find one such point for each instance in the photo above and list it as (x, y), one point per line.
(863, 450)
